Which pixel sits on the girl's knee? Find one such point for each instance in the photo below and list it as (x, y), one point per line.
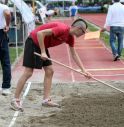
(28, 73)
(49, 72)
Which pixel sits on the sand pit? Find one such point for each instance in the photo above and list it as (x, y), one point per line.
(88, 104)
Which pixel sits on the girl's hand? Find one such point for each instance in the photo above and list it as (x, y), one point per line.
(44, 56)
(6, 29)
(87, 75)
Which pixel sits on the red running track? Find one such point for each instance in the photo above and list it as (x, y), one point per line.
(97, 19)
(97, 60)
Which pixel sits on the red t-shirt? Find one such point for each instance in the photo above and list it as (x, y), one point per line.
(60, 34)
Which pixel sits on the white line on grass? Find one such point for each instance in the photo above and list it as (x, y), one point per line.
(17, 112)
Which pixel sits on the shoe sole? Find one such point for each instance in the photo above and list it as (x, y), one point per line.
(16, 109)
(4, 94)
(116, 58)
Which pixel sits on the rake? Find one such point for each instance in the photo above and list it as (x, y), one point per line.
(81, 73)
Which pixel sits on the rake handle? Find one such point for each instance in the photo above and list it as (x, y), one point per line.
(81, 73)
(60, 64)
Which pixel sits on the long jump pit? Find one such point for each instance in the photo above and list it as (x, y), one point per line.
(87, 104)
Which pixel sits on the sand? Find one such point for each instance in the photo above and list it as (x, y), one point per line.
(88, 104)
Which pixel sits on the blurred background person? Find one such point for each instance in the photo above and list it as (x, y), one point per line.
(122, 2)
(115, 20)
(5, 19)
(73, 9)
(51, 13)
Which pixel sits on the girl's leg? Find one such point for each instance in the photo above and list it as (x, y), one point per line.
(48, 81)
(21, 82)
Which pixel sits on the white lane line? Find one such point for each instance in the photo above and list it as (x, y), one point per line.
(17, 112)
(26, 91)
(105, 75)
(109, 75)
(14, 119)
(70, 64)
(104, 69)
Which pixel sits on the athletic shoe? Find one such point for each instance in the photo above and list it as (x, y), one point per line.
(6, 92)
(16, 105)
(116, 57)
(0, 90)
(50, 103)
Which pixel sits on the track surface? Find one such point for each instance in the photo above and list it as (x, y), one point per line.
(97, 59)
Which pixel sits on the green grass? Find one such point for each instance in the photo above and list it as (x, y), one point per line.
(91, 27)
(13, 56)
(13, 53)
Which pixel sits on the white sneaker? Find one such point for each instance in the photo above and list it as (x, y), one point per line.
(16, 105)
(6, 92)
(0, 90)
(50, 103)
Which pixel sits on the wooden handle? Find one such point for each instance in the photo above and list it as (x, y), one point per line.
(82, 73)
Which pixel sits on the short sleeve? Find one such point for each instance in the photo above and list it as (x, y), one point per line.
(58, 31)
(5, 7)
(70, 41)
